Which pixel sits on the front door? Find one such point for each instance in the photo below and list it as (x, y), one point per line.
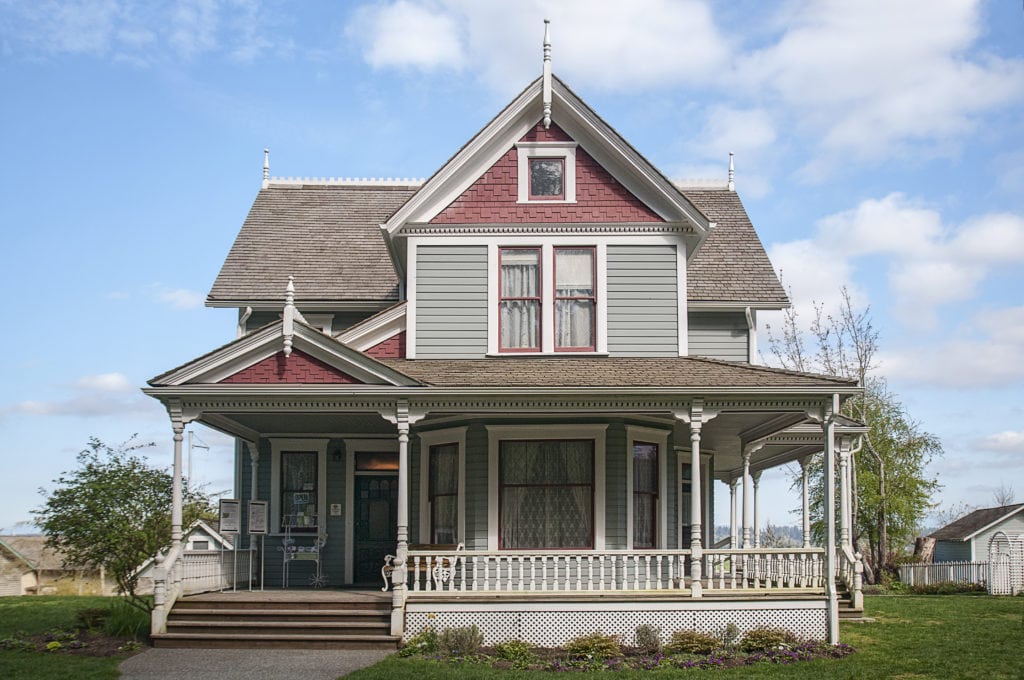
(376, 525)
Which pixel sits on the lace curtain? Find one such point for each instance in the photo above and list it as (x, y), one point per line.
(645, 494)
(443, 491)
(546, 494)
(520, 319)
(574, 278)
(298, 488)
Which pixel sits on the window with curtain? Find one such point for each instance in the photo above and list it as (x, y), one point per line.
(299, 490)
(645, 495)
(575, 299)
(520, 299)
(443, 493)
(546, 494)
(686, 518)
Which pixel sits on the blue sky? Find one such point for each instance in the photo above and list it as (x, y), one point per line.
(879, 145)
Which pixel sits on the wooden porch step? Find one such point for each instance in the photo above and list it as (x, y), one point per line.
(274, 641)
(280, 614)
(312, 629)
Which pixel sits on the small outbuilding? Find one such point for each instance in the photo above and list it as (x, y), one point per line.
(29, 567)
(967, 539)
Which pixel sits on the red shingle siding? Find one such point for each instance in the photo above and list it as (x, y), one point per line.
(599, 198)
(392, 348)
(299, 368)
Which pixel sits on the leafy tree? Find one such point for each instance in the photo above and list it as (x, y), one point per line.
(893, 491)
(114, 511)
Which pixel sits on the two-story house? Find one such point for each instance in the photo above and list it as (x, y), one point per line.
(518, 380)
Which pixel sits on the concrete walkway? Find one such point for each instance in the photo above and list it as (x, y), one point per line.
(247, 664)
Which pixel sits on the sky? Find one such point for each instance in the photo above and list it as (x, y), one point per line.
(879, 146)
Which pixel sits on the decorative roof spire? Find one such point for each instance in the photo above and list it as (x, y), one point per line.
(732, 173)
(547, 74)
(266, 168)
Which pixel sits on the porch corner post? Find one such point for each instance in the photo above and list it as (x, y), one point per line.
(398, 576)
(831, 595)
(746, 499)
(696, 549)
(178, 426)
(757, 509)
(806, 488)
(733, 536)
(844, 493)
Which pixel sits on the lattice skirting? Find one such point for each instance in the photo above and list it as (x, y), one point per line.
(550, 624)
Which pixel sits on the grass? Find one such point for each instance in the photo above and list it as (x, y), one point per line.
(914, 637)
(37, 614)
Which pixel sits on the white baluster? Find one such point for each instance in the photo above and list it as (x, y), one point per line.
(600, 568)
(579, 572)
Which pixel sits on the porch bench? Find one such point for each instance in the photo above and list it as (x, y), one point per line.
(440, 569)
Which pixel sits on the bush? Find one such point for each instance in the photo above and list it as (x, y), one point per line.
(647, 638)
(126, 620)
(766, 639)
(947, 588)
(461, 641)
(692, 642)
(596, 645)
(423, 642)
(518, 653)
(92, 618)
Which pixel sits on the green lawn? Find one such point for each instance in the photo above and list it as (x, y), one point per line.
(948, 637)
(37, 614)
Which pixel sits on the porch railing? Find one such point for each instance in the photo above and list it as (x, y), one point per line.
(542, 571)
(182, 572)
(764, 568)
(850, 567)
(611, 570)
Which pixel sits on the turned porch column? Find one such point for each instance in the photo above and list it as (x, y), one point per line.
(254, 465)
(178, 426)
(696, 417)
(806, 489)
(757, 509)
(733, 485)
(844, 493)
(746, 499)
(832, 596)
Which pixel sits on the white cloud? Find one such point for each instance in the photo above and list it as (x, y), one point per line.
(1009, 441)
(179, 298)
(407, 35)
(105, 382)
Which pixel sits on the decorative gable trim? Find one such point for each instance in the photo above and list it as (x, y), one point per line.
(377, 329)
(295, 368)
(268, 342)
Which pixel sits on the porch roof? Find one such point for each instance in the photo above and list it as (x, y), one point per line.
(669, 372)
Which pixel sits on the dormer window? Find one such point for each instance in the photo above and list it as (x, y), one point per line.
(547, 172)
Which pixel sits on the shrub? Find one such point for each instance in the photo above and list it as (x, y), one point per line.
(692, 642)
(729, 635)
(461, 641)
(126, 620)
(647, 638)
(766, 639)
(92, 618)
(423, 642)
(518, 653)
(947, 588)
(596, 645)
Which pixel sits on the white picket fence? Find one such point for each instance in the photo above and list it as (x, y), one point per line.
(944, 572)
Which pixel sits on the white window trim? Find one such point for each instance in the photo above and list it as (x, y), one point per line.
(319, 446)
(454, 435)
(497, 433)
(351, 446)
(547, 299)
(564, 150)
(634, 434)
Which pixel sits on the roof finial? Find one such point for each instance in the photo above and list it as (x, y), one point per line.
(266, 167)
(547, 74)
(288, 327)
(732, 173)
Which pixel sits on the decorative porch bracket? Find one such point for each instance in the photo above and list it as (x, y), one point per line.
(696, 417)
(403, 418)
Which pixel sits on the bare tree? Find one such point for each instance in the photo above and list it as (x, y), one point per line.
(1004, 495)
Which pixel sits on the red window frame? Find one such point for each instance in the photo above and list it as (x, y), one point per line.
(653, 494)
(592, 485)
(538, 298)
(592, 298)
(529, 179)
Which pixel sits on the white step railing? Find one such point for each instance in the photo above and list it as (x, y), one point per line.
(186, 573)
(542, 571)
(764, 568)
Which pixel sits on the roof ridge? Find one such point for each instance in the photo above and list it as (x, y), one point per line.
(410, 182)
(774, 369)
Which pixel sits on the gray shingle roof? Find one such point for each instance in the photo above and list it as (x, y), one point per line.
(971, 523)
(731, 265)
(679, 372)
(326, 236)
(33, 549)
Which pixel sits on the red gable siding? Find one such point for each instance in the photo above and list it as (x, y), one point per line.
(299, 368)
(599, 198)
(392, 348)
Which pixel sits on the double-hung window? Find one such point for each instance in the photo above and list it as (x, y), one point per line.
(564, 300)
(645, 495)
(443, 493)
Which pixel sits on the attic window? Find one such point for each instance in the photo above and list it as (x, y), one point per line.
(547, 179)
(547, 172)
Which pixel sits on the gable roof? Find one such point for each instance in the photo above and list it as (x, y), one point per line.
(970, 525)
(327, 236)
(731, 264)
(32, 550)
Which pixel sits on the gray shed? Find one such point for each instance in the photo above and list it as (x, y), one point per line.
(967, 539)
